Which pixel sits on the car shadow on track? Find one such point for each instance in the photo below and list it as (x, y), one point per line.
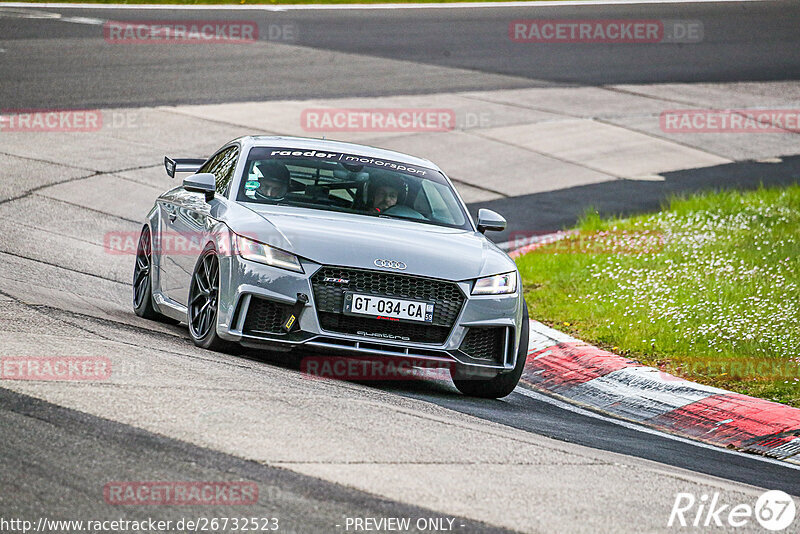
(435, 386)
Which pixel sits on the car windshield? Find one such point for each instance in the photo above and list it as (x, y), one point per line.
(350, 183)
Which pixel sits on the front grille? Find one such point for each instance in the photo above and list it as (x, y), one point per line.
(329, 297)
(485, 343)
(265, 316)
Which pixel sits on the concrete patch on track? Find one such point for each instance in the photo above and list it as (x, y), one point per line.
(731, 146)
(588, 376)
(92, 193)
(608, 149)
(126, 141)
(727, 95)
(576, 102)
(33, 174)
(497, 166)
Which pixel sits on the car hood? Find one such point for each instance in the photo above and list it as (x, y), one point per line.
(357, 241)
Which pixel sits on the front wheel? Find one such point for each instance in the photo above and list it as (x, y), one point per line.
(204, 303)
(502, 384)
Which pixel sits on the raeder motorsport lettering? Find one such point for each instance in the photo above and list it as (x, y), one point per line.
(347, 158)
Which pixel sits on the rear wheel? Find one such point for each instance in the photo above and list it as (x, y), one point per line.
(142, 281)
(204, 303)
(502, 384)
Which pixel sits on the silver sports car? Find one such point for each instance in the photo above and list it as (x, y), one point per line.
(292, 243)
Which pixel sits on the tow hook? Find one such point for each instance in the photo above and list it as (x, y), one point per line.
(294, 313)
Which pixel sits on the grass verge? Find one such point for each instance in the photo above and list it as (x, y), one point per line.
(707, 289)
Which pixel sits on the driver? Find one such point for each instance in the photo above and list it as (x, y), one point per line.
(384, 192)
(274, 183)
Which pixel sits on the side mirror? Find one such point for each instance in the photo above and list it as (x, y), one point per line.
(205, 182)
(489, 220)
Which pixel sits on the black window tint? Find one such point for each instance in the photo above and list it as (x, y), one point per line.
(211, 164)
(224, 168)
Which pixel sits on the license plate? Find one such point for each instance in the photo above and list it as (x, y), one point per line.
(388, 308)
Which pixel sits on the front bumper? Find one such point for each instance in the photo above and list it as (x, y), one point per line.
(480, 331)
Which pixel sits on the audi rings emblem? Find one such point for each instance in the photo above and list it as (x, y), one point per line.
(391, 264)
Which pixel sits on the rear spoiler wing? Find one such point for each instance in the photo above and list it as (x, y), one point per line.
(182, 165)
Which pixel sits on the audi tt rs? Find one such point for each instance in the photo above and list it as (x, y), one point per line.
(289, 243)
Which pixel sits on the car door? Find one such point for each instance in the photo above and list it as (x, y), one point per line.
(163, 241)
(193, 221)
(166, 244)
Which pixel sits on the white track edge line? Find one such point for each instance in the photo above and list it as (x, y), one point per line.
(645, 429)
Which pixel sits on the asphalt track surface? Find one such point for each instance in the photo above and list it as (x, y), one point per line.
(532, 415)
(54, 455)
(60, 438)
(50, 63)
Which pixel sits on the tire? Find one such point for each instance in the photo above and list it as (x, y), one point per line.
(143, 281)
(502, 384)
(203, 303)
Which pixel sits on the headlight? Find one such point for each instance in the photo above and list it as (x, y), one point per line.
(500, 284)
(255, 251)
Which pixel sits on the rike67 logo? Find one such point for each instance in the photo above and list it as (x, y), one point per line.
(774, 511)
